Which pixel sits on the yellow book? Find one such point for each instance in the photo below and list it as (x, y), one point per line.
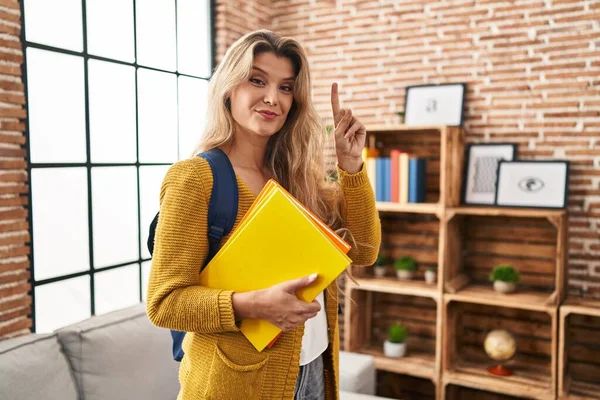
(277, 241)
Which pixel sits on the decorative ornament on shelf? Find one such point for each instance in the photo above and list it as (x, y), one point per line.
(430, 276)
(500, 346)
(505, 278)
(395, 346)
(405, 267)
(380, 266)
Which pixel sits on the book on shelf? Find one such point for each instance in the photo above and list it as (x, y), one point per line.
(400, 177)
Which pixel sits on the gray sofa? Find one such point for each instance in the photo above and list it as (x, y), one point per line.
(119, 355)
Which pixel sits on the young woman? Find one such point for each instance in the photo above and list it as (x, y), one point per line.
(261, 115)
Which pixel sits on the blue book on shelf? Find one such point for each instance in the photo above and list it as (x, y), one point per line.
(417, 180)
(387, 174)
(379, 179)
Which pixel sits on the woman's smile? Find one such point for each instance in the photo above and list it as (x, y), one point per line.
(268, 115)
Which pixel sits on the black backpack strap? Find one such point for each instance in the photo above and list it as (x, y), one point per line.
(223, 207)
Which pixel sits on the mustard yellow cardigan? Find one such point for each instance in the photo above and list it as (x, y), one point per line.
(219, 362)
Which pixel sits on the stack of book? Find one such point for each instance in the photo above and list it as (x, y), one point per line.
(399, 178)
(277, 240)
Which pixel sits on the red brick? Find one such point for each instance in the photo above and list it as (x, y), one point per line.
(16, 325)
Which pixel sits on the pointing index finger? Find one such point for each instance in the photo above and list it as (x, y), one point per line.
(335, 103)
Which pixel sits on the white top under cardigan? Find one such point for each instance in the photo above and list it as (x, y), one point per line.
(315, 339)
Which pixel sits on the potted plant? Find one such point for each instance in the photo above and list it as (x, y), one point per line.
(395, 346)
(505, 278)
(380, 266)
(430, 275)
(405, 267)
(400, 115)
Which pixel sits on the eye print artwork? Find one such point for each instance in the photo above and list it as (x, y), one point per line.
(531, 184)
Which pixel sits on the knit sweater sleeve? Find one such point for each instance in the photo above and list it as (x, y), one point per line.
(360, 216)
(175, 298)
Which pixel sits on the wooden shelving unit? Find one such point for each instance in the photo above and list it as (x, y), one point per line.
(448, 321)
(579, 350)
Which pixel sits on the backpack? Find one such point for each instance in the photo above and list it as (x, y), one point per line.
(222, 212)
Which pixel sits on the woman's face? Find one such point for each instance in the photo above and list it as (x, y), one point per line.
(260, 106)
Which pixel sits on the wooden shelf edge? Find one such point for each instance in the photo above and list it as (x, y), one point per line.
(418, 208)
(379, 128)
(495, 211)
(589, 307)
(408, 288)
(510, 301)
(497, 385)
(412, 364)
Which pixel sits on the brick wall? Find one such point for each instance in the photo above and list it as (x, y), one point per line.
(532, 69)
(15, 303)
(236, 18)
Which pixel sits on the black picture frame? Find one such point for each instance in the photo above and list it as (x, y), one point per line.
(410, 107)
(489, 198)
(524, 179)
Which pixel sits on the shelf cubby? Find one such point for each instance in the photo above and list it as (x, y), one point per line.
(456, 392)
(368, 314)
(479, 239)
(579, 350)
(465, 362)
(442, 146)
(404, 387)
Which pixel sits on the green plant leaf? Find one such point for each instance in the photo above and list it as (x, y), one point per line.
(406, 263)
(397, 333)
(505, 273)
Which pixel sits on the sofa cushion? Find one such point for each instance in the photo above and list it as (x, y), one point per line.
(121, 355)
(34, 367)
(357, 373)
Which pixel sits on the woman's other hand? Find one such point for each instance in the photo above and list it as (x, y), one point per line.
(278, 304)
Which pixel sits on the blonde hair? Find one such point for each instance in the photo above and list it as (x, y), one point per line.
(295, 153)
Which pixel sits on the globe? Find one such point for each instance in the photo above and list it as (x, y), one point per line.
(500, 345)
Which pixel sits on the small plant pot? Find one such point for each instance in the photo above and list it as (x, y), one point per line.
(504, 287)
(380, 271)
(394, 350)
(430, 277)
(404, 274)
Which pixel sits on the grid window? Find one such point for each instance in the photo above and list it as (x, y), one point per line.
(115, 94)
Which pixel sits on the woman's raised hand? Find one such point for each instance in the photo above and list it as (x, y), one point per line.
(350, 134)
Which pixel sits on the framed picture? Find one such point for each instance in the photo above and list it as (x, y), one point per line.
(481, 167)
(435, 104)
(539, 184)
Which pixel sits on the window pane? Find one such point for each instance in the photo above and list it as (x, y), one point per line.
(151, 178)
(112, 112)
(146, 265)
(56, 107)
(155, 28)
(115, 215)
(60, 221)
(110, 28)
(42, 26)
(117, 288)
(193, 95)
(157, 108)
(193, 37)
(62, 303)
